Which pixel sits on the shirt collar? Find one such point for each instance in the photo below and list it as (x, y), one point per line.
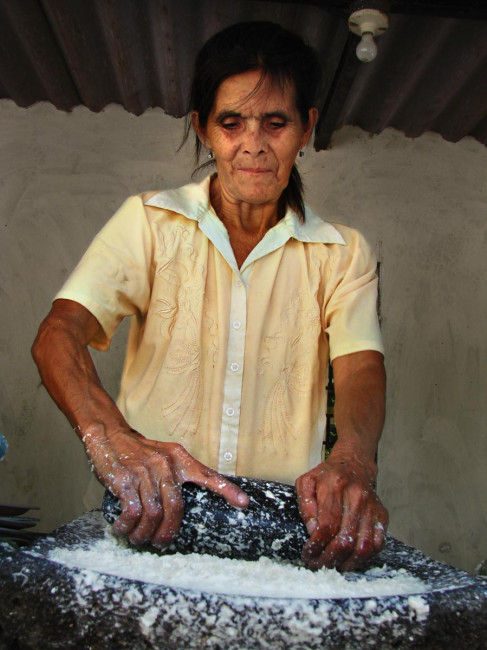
(193, 202)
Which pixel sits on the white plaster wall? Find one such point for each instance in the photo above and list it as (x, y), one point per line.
(421, 202)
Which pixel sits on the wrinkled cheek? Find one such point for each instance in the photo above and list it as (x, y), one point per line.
(224, 169)
(282, 178)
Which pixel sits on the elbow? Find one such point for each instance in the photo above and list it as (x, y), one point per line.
(34, 350)
(37, 347)
(46, 340)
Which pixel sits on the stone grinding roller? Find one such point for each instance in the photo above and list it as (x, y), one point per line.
(270, 526)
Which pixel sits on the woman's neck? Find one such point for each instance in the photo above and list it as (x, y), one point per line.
(250, 218)
(246, 223)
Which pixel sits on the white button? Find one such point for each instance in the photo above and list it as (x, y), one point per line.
(236, 324)
(238, 283)
(230, 411)
(234, 367)
(227, 456)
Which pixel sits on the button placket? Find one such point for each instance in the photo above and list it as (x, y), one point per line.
(232, 390)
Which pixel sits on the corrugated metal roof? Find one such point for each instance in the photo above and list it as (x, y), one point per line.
(436, 80)
(430, 73)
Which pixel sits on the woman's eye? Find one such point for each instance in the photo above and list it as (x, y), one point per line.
(233, 124)
(276, 124)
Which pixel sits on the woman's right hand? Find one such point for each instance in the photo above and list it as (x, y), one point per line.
(147, 476)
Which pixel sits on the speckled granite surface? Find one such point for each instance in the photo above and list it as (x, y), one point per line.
(269, 526)
(48, 605)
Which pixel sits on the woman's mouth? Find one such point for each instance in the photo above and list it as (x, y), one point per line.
(255, 171)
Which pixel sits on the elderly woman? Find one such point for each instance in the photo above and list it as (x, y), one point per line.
(239, 294)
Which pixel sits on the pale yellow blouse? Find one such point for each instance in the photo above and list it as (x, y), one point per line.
(232, 363)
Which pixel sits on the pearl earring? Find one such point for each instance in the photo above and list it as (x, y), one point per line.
(210, 155)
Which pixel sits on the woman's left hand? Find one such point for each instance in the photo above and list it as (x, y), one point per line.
(342, 513)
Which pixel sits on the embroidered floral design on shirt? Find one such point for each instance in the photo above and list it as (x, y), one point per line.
(278, 423)
(172, 273)
(212, 325)
(180, 312)
(184, 358)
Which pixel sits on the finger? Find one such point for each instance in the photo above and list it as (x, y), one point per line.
(330, 515)
(173, 505)
(152, 511)
(131, 509)
(341, 545)
(364, 546)
(307, 502)
(188, 469)
(208, 478)
(380, 527)
(362, 533)
(340, 504)
(354, 542)
(121, 484)
(379, 536)
(371, 536)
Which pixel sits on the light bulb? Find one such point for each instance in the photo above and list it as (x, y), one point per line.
(366, 49)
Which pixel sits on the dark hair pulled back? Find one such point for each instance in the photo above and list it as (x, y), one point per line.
(280, 55)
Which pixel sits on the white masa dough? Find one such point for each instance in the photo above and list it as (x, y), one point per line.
(209, 574)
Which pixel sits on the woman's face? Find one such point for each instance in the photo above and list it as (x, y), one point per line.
(255, 136)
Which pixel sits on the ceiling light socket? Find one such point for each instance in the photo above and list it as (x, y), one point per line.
(368, 18)
(368, 21)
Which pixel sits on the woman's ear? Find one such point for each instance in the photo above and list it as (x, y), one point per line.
(199, 130)
(312, 120)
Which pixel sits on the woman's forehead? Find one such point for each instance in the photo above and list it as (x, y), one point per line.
(253, 91)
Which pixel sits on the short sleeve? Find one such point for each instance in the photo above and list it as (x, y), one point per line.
(112, 279)
(350, 310)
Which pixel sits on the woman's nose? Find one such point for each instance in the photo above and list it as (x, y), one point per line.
(255, 141)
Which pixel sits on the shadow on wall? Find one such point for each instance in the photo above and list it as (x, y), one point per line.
(440, 475)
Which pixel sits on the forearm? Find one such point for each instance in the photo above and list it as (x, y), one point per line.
(359, 409)
(69, 375)
(337, 500)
